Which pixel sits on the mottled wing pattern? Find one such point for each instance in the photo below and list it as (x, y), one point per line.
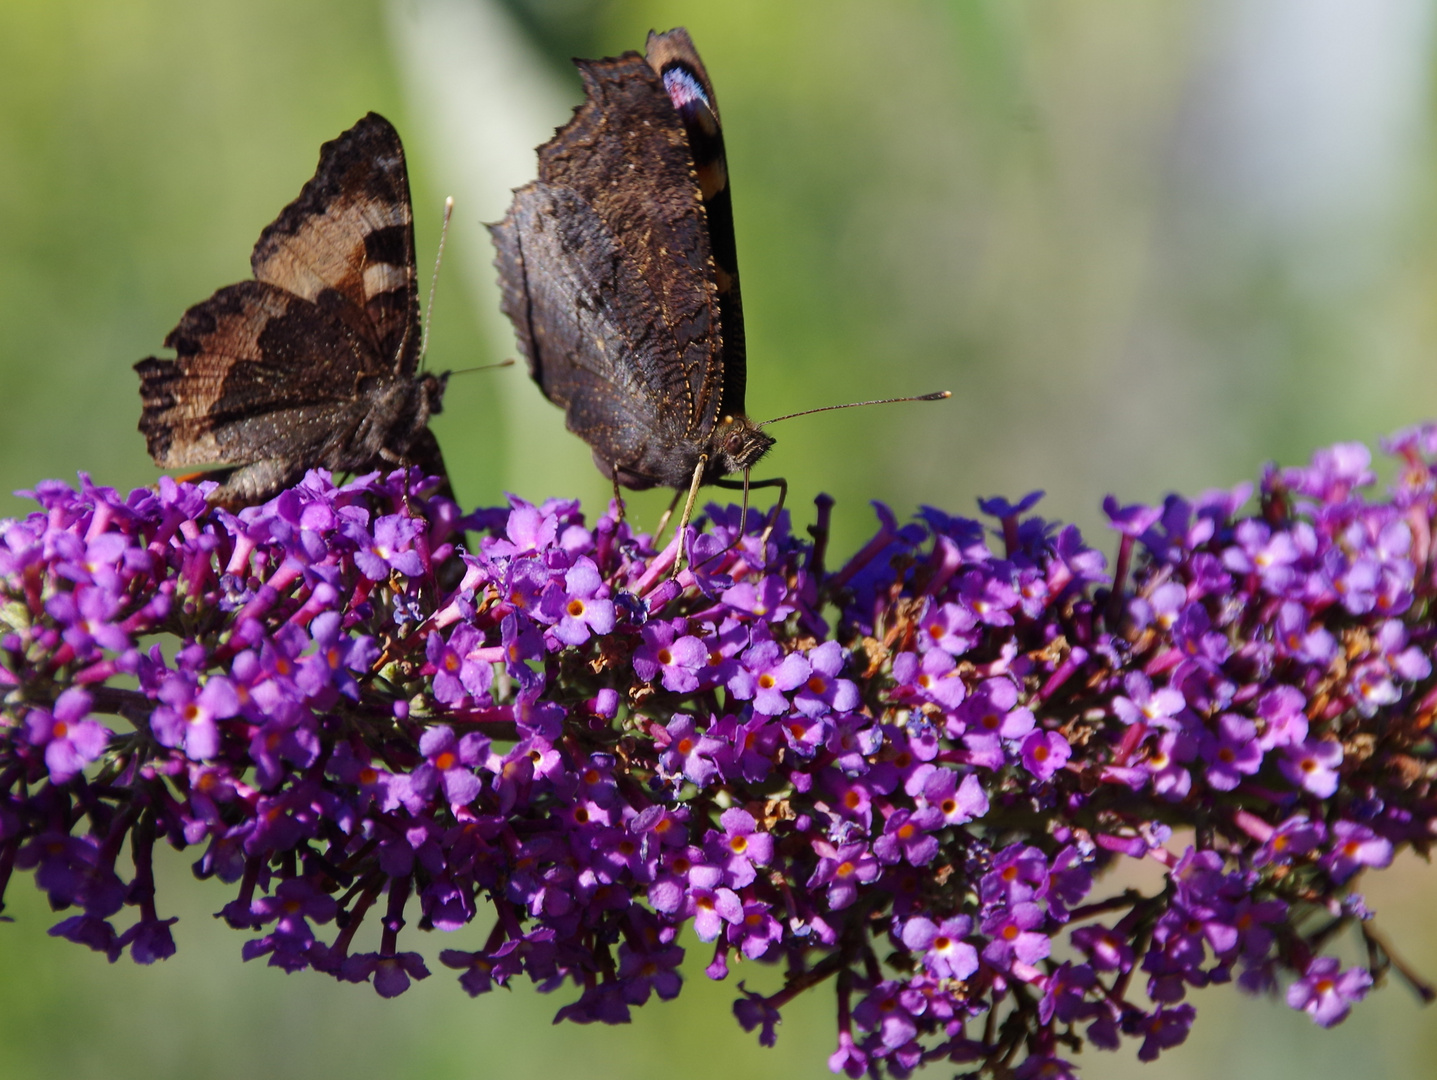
(673, 57)
(351, 232)
(313, 363)
(258, 372)
(586, 321)
(626, 154)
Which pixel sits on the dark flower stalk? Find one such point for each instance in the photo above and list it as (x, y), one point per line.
(905, 778)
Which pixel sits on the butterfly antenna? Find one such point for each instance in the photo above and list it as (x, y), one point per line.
(482, 367)
(434, 281)
(936, 396)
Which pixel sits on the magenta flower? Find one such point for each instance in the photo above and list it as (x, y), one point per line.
(739, 848)
(1044, 753)
(908, 836)
(390, 548)
(905, 771)
(581, 605)
(1326, 993)
(940, 788)
(689, 753)
(1232, 753)
(766, 675)
(949, 627)
(712, 909)
(1163, 1030)
(1146, 705)
(189, 719)
(391, 973)
(757, 931)
(451, 762)
(824, 691)
(1019, 874)
(842, 869)
(1313, 765)
(671, 655)
(1353, 847)
(71, 742)
(944, 951)
(1014, 935)
(929, 676)
(461, 666)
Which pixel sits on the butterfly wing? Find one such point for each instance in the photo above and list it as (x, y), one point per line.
(351, 233)
(589, 326)
(674, 59)
(625, 154)
(313, 363)
(258, 373)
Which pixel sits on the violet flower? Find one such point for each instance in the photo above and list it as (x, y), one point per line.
(909, 774)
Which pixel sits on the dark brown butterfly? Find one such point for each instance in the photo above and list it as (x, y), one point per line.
(314, 362)
(619, 273)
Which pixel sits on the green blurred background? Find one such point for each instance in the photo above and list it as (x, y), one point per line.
(1148, 246)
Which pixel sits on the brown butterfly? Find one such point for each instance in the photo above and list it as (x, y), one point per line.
(314, 362)
(619, 272)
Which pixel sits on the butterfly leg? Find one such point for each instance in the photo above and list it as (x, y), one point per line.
(424, 452)
(743, 513)
(782, 486)
(688, 511)
(618, 498)
(389, 457)
(663, 521)
(745, 486)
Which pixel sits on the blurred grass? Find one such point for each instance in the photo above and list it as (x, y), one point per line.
(1041, 206)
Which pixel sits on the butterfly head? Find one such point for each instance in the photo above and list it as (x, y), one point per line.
(738, 444)
(431, 388)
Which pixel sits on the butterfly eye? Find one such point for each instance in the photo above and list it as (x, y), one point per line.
(734, 443)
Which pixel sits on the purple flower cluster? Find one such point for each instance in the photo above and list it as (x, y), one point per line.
(904, 777)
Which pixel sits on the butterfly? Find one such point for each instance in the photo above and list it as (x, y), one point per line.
(315, 362)
(618, 270)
